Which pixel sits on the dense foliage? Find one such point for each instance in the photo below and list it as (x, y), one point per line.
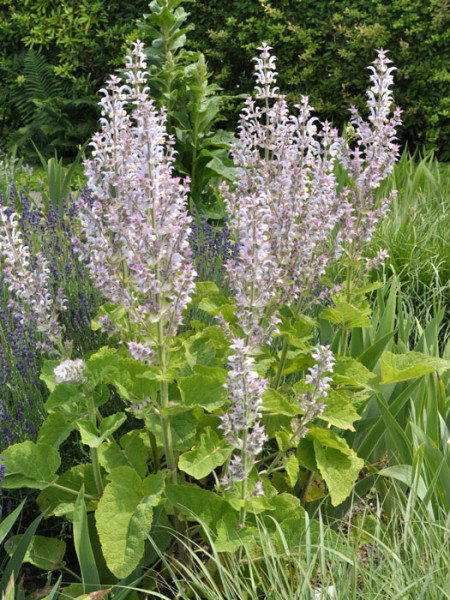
(54, 57)
(323, 47)
(225, 362)
(211, 415)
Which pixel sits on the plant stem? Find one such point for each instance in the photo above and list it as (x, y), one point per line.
(164, 404)
(284, 350)
(306, 488)
(94, 451)
(66, 489)
(345, 331)
(154, 449)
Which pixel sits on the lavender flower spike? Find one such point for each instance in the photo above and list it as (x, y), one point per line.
(29, 282)
(370, 160)
(136, 232)
(311, 402)
(241, 425)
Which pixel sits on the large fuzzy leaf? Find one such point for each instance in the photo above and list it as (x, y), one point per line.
(124, 517)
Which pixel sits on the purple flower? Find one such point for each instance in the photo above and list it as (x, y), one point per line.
(369, 158)
(27, 284)
(283, 205)
(241, 425)
(311, 402)
(136, 229)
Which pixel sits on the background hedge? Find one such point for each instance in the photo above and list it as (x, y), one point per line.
(322, 47)
(54, 56)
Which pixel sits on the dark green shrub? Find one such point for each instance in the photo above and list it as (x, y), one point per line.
(323, 47)
(75, 44)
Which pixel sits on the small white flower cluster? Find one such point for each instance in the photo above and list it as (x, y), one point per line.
(70, 371)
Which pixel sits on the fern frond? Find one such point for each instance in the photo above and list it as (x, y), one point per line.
(40, 84)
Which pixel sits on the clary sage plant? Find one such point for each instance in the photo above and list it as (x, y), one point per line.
(239, 416)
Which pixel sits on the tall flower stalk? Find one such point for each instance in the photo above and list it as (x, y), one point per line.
(28, 280)
(369, 157)
(136, 231)
(286, 214)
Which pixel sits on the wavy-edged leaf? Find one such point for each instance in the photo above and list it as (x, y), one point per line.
(401, 367)
(42, 552)
(30, 465)
(124, 517)
(211, 452)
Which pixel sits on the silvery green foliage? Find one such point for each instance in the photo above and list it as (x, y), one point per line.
(28, 280)
(136, 232)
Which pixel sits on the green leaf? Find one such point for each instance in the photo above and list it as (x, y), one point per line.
(12, 569)
(67, 398)
(400, 441)
(211, 452)
(89, 434)
(102, 363)
(198, 504)
(378, 429)
(229, 536)
(405, 474)
(371, 355)
(306, 455)
(274, 402)
(370, 287)
(219, 304)
(401, 367)
(30, 465)
(111, 423)
(129, 381)
(60, 501)
(286, 506)
(111, 456)
(203, 390)
(93, 438)
(339, 471)
(184, 430)
(124, 517)
(134, 451)
(55, 429)
(339, 411)
(42, 552)
(297, 360)
(136, 446)
(292, 469)
(349, 371)
(200, 350)
(328, 438)
(7, 523)
(47, 375)
(346, 315)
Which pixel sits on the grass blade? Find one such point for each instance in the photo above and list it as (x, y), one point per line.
(6, 524)
(83, 548)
